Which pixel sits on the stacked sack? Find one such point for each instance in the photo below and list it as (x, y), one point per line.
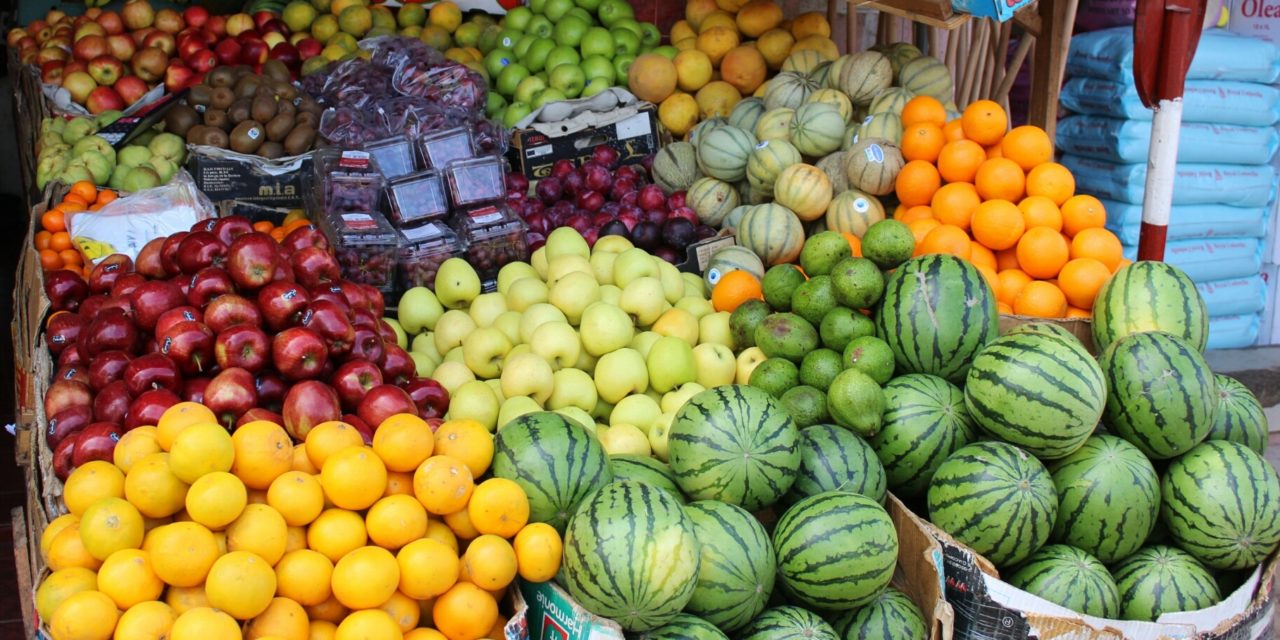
(1224, 190)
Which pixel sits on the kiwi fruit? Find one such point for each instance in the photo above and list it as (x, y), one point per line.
(217, 118)
(195, 133)
(247, 137)
(271, 150)
(220, 77)
(284, 89)
(309, 104)
(300, 140)
(285, 107)
(247, 87)
(241, 110)
(306, 118)
(222, 97)
(213, 137)
(263, 108)
(278, 128)
(199, 95)
(275, 70)
(179, 119)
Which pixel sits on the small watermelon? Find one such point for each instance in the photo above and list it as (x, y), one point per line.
(1160, 579)
(836, 551)
(684, 627)
(1160, 393)
(1239, 416)
(630, 554)
(892, 615)
(995, 498)
(1149, 296)
(648, 470)
(734, 444)
(1069, 577)
(1221, 502)
(1108, 498)
(738, 567)
(557, 463)
(789, 623)
(834, 459)
(925, 421)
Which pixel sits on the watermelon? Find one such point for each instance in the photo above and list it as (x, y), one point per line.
(834, 459)
(1162, 579)
(924, 422)
(864, 75)
(732, 259)
(853, 211)
(768, 160)
(1160, 393)
(804, 189)
(1041, 392)
(773, 232)
(1043, 328)
(630, 554)
(734, 444)
(1149, 296)
(789, 89)
(712, 200)
(926, 76)
(788, 623)
(1108, 498)
(738, 568)
(557, 463)
(817, 129)
(723, 152)
(892, 615)
(746, 113)
(1239, 416)
(892, 100)
(775, 124)
(836, 551)
(1221, 503)
(684, 627)
(872, 165)
(936, 314)
(675, 167)
(650, 471)
(835, 98)
(1069, 577)
(995, 498)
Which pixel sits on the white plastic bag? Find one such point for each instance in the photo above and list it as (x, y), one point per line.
(130, 222)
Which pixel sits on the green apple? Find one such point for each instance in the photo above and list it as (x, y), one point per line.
(452, 328)
(716, 365)
(562, 55)
(588, 5)
(422, 365)
(522, 45)
(536, 57)
(484, 350)
(538, 7)
(497, 60)
(612, 11)
(513, 271)
(457, 283)
(528, 374)
(622, 64)
(513, 408)
(419, 310)
(557, 343)
(549, 95)
(626, 24)
(456, 355)
(671, 364)
(566, 241)
(514, 113)
(541, 26)
(486, 308)
(538, 260)
(612, 244)
(667, 51)
(595, 86)
(597, 66)
(527, 90)
(573, 293)
(517, 18)
(638, 409)
(634, 264)
(557, 9)
(452, 375)
(586, 362)
(494, 105)
(568, 78)
(642, 299)
(649, 34)
(537, 314)
(425, 343)
(713, 328)
(509, 324)
(747, 361)
(677, 323)
(581, 14)
(579, 417)
(659, 434)
(605, 328)
(602, 265)
(562, 265)
(625, 41)
(402, 338)
(510, 77)
(573, 388)
(672, 283)
(624, 439)
(611, 294)
(516, 351)
(619, 374)
(495, 385)
(488, 40)
(474, 400)
(699, 307)
(508, 38)
(526, 292)
(694, 285)
(673, 400)
(597, 41)
(643, 342)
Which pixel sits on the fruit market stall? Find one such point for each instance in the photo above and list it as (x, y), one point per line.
(350, 321)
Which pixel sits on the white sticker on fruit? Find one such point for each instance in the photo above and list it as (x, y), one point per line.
(254, 133)
(713, 276)
(861, 205)
(762, 144)
(874, 153)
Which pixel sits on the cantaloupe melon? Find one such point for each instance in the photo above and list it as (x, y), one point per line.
(872, 165)
(900, 53)
(803, 61)
(732, 259)
(890, 100)
(788, 89)
(747, 113)
(675, 167)
(865, 75)
(735, 216)
(835, 98)
(768, 160)
(834, 70)
(853, 211)
(885, 125)
(712, 200)
(833, 165)
(925, 76)
(775, 124)
(772, 232)
(851, 134)
(702, 128)
(817, 129)
(723, 153)
(804, 189)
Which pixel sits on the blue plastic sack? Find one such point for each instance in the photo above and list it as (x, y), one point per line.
(1213, 258)
(1116, 140)
(1234, 332)
(1188, 222)
(1221, 55)
(1234, 296)
(1236, 185)
(1215, 101)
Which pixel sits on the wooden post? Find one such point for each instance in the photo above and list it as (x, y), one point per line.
(853, 28)
(1056, 20)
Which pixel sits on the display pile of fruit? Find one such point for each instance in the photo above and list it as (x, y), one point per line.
(599, 198)
(70, 151)
(57, 249)
(189, 532)
(227, 316)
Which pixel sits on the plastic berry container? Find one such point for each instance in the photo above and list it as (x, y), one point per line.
(347, 181)
(442, 147)
(416, 198)
(475, 181)
(395, 156)
(366, 246)
(422, 250)
(494, 237)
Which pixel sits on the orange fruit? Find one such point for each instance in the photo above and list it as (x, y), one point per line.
(199, 450)
(811, 23)
(465, 612)
(1123, 263)
(1080, 280)
(947, 239)
(1042, 252)
(328, 611)
(775, 45)
(241, 584)
(135, 445)
(304, 576)
(490, 562)
(62, 584)
(423, 633)
(300, 460)
(263, 226)
(443, 484)
(468, 441)
(988, 274)
(924, 109)
(127, 578)
(85, 190)
(1051, 180)
(42, 239)
(428, 568)
(87, 615)
(67, 551)
(1039, 211)
(997, 224)
(1075, 312)
(744, 68)
(917, 182)
(955, 203)
(1040, 299)
(1000, 178)
(954, 130)
(404, 610)
(107, 196)
(370, 623)
(89, 483)
(716, 42)
(922, 141)
(918, 212)
(54, 221)
(984, 122)
(399, 484)
(855, 244)
(354, 478)
(921, 228)
(981, 256)
(439, 531)
(758, 16)
(216, 500)
(184, 599)
(652, 77)
(179, 417)
(1082, 212)
(459, 522)
(146, 620)
(1099, 244)
(60, 241)
(395, 521)
(328, 438)
(1011, 282)
(336, 532)
(403, 441)
(538, 549)
(1004, 309)
(50, 260)
(261, 530)
(735, 288)
(958, 160)
(297, 496)
(1028, 146)
(365, 577)
(70, 258)
(181, 553)
(263, 451)
(205, 623)
(153, 489)
(499, 506)
(283, 619)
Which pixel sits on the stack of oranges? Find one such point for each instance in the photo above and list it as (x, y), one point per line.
(191, 533)
(998, 200)
(295, 220)
(53, 241)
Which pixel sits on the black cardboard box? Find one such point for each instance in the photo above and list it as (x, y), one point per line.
(225, 175)
(632, 130)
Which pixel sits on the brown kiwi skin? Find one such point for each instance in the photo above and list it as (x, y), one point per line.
(222, 97)
(263, 108)
(247, 137)
(275, 70)
(247, 87)
(221, 77)
(285, 107)
(240, 110)
(309, 105)
(300, 140)
(306, 118)
(271, 150)
(179, 119)
(195, 133)
(214, 137)
(217, 118)
(284, 90)
(199, 95)
(279, 127)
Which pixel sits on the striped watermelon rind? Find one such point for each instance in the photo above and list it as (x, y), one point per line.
(645, 469)
(789, 623)
(996, 498)
(834, 459)
(925, 421)
(1160, 579)
(1041, 392)
(892, 615)
(684, 627)
(937, 312)
(557, 463)
(1221, 503)
(1069, 577)
(836, 551)
(1239, 416)
(630, 554)
(1149, 296)
(1108, 498)
(734, 444)
(738, 568)
(1160, 393)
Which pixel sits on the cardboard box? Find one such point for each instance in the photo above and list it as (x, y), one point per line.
(631, 128)
(226, 175)
(698, 255)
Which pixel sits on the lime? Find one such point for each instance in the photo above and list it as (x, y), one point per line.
(822, 252)
(843, 324)
(807, 405)
(813, 299)
(775, 376)
(820, 367)
(888, 243)
(744, 320)
(780, 281)
(859, 283)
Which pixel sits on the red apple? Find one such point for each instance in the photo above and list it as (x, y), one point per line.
(209, 284)
(120, 303)
(49, 54)
(202, 61)
(397, 366)
(107, 367)
(299, 354)
(261, 18)
(161, 40)
(131, 89)
(80, 84)
(112, 403)
(231, 309)
(111, 22)
(105, 69)
(231, 394)
(239, 23)
(63, 330)
(140, 35)
(190, 344)
(176, 315)
(282, 304)
(195, 15)
(271, 390)
(330, 322)
(169, 21)
(62, 454)
(199, 250)
(368, 344)
(193, 390)
(231, 227)
(96, 442)
(65, 289)
(258, 414)
(217, 25)
(104, 99)
(228, 52)
(353, 380)
(65, 394)
(389, 335)
(151, 371)
(308, 48)
(51, 72)
(149, 261)
(242, 345)
(313, 266)
(147, 408)
(308, 404)
(152, 299)
(126, 283)
(89, 29)
(67, 423)
(149, 63)
(138, 14)
(332, 294)
(384, 401)
(76, 372)
(253, 52)
(110, 330)
(188, 45)
(430, 397)
(73, 66)
(104, 274)
(305, 236)
(286, 53)
(251, 260)
(93, 304)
